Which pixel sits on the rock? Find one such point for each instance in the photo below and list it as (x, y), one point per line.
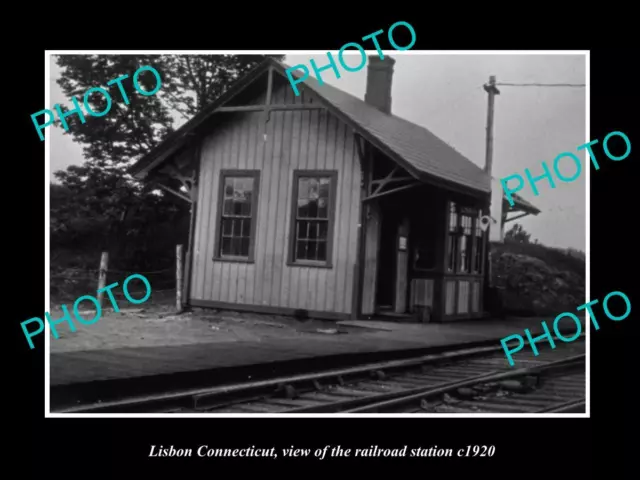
(466, 392)
(512, 385)
(536, 280)
(329, 331)
(446, 398)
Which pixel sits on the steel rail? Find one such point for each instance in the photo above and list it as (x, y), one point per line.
(204, 393)
(571, 406)
(399, 398)
(195, 397)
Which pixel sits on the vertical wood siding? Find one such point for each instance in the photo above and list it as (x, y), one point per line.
(422, 293)
(373, 227)
(463, 296)
(313, 140)
(450, 297)
(475, 297)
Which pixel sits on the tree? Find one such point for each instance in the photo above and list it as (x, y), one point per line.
(517, 234)
(193, 81)
(189, 83)
(98, 205)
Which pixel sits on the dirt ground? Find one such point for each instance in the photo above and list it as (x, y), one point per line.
(156, 325)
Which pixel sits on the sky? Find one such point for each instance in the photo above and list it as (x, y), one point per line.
(444, 94)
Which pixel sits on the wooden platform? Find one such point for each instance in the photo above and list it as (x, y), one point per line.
(122, 363)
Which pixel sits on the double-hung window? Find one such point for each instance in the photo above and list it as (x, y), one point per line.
(312, 218)
(237, 210)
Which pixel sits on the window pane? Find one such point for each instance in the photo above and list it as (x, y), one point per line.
(245, 207)
(478, 262)
(313, 230)
(466, 224)
(303, 210)
(313, 188)
(302, 229)
(246, 227)
(313, 209)
(453, 252)
(237, 227)
(322, 228)
(245, 247)
(228, 207)
(243, 185)
(226, 226)
(323, 210)
(453, 217)
(303, 188)
(301, 250)
(228, 187)
(226, 246)
(322, 251)
(311, 250)
(324, 187)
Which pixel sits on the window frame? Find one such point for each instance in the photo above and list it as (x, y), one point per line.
(331, 217)
(471, 213)
(458, 235)
(452, 239)
(476, 243)
(234, 173)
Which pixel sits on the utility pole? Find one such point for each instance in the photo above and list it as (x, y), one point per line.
(492, 91)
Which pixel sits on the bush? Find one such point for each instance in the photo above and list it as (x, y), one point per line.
(537, 280)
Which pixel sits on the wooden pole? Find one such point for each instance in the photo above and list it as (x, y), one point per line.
(492, 91)
(402, 266)
(102, 275)
(179, 278)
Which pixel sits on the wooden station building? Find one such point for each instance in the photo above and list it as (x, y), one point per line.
(325, 205)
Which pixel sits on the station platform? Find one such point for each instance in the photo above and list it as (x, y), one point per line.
(370, 340)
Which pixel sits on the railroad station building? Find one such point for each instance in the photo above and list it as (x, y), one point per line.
(326, 205)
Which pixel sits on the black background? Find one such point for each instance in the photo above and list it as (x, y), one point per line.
(525, 448)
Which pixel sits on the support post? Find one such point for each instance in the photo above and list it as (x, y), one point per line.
(492, 91)
(178, 278)
(402, 266)
(102, 276)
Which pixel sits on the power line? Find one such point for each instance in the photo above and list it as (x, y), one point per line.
(542, 84)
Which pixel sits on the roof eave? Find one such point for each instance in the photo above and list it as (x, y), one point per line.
(176, 140)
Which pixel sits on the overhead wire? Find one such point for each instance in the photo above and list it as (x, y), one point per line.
(541, 84)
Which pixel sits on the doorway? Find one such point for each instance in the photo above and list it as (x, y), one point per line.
(387, 257)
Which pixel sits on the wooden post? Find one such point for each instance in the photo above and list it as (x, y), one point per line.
(492, 91)
(402, 266)
(179, 278)
(102, 275)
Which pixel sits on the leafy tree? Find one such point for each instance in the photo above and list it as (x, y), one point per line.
(193, 81)
(189, 83)
(98, 205)
(517, 234)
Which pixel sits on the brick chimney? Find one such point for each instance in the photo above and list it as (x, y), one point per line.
(379, 77)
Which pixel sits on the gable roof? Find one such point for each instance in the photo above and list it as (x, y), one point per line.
(422, 153)
(520, 204)
(414, 144)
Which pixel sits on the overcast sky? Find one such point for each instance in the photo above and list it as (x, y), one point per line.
(444, 94)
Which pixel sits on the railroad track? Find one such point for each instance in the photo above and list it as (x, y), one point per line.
(475, 380)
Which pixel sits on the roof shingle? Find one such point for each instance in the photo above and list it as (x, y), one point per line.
(413, 143)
